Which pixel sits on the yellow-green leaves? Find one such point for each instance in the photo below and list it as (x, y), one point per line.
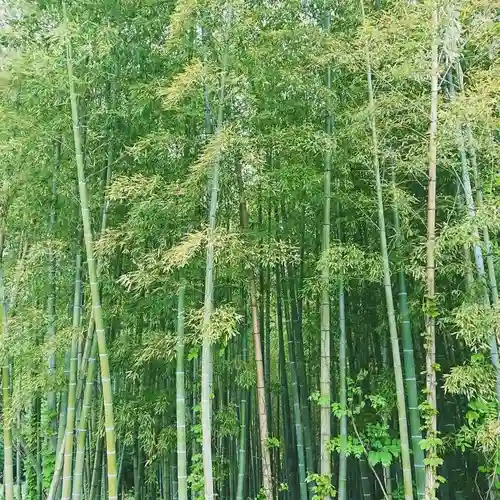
(182, 19)
(222, 327)
(473, 379)
(136, 186)
(155, 267)
(185, 82)
(474, 324)
(352, 261)
(212, 151)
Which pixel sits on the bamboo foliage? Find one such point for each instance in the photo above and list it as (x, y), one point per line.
(477, 250)
(249, 350)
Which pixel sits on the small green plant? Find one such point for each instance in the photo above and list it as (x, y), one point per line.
(353, 446)
(318, 399)
(432, 444)
(382, 448)
(261, 495)
(195, 479)
(283, 487)
(273, 442)
(480, 432)
(322, 486)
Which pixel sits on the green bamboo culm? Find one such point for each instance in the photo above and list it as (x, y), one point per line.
(206, 356)
(87, 368)
(289, 444)
(8, 467)
(61, 432)
(206, 352)
(391, 316)
(431, 482)
(299, 431)
(342, 487)
(82, 422)
(71, 409)
(51, 302)
(342, 490)
(259, 362)
(94, 288)
(181, 399)
(409, 367)
(325, 362)
(85, 386)
(243, 438)
(366, 488)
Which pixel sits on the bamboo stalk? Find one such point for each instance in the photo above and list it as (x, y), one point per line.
(243, 438)
(51, 302)
(409, 366)
(71, 410)
(391, 316)
(8, 479)
(206, 356)
(297, 415)
(325, 362)
(259, 361)
(88, 365)
(181, 399)
(430, 320)
(94, 288)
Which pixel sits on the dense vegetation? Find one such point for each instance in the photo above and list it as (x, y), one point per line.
(249, 249)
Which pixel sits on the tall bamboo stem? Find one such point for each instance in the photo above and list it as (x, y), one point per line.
(71, 410)
(325, 368)
(206, 355)
(430, 319)
(259, 361)
(94, 288)
(297, 415)
(181, 399)
(8, 474)
(51, 302)
(396, 356)
(409, 366)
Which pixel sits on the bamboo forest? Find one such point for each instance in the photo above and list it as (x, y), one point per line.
(249, 249)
